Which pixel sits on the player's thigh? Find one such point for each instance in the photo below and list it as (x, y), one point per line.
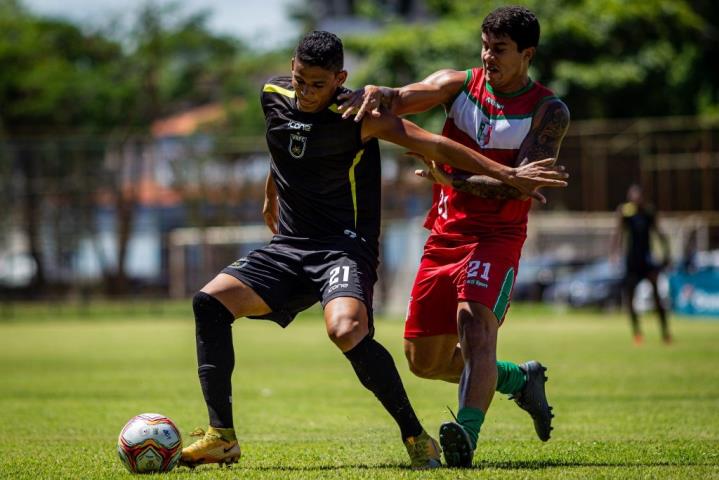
(630, 283)
(342, 274)
(432, 306)
(236, 296)
(270, 283)
(344, 280)
(431, 355)
(488, 278)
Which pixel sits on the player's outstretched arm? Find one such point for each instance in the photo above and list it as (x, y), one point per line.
(405, 133)
(543, 141)
(437, 89)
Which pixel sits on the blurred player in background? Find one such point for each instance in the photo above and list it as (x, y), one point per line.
(636, 223)
(478, 225)
(323, 201)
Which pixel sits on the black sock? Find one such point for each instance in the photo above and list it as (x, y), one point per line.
(377, 372)
(215, 357)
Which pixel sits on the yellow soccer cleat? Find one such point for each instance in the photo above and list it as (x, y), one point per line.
(424, 451)
(217, 445)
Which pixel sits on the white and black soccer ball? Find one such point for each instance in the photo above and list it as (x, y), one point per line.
(149, 442)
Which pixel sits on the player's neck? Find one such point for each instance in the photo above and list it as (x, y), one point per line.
(512, 86)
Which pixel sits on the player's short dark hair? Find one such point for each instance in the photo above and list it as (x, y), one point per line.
(321, 49)
(518, 23)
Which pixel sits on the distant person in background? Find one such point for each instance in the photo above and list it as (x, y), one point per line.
(637, 220)
(688, 263)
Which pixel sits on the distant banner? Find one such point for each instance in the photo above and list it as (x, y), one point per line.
(695, 293)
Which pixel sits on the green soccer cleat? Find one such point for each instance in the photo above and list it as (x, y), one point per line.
(457, 445)
(217, 445)
(533, 399)
(424, 451)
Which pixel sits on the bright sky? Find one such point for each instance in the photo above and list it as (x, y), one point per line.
(262, 23)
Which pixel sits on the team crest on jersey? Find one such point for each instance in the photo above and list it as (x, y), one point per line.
(297, 145)
(484, 133)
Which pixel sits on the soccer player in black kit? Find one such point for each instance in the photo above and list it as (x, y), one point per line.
(325, 175)
(637, 221)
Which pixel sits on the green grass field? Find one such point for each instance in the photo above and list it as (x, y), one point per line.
(69, 382)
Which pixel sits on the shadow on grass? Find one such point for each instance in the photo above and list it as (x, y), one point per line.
(481, 465)
(553, 463)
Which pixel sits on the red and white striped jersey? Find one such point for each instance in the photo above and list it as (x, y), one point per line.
(495, 125)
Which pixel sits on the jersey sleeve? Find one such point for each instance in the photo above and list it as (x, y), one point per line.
(265, 93)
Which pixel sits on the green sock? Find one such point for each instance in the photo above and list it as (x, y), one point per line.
(510, 379)
(471, 419)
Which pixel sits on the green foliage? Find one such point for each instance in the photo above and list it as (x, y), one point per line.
(69, 384)
(607, 58)
(53, 74)
(56, 76)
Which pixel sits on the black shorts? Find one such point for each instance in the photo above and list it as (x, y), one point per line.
(292, 274)
(638, 270)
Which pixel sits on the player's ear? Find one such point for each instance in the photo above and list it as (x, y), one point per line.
(528, 53)
(292, 64)
(341, 77)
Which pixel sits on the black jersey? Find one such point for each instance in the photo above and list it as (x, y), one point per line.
(328, 181)
(638, 223)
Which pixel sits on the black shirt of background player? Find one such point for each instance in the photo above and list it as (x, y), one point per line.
(328, 181)
(638, 223)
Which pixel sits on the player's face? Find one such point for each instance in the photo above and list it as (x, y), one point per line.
(634, 194)
(505, 66)
(314, 86)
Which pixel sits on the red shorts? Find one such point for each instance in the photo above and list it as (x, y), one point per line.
(453, 270)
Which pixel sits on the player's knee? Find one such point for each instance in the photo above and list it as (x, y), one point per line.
(208, 308)
(423, 370)
(479, 326)
(345, 331)
(423, 366)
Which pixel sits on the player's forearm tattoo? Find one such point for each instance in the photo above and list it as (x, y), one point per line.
(484, 187)
(543, 141)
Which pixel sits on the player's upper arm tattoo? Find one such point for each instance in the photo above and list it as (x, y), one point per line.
(542, 141)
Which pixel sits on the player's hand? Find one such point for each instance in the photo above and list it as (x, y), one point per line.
(271, 213)
(433, 172)
(529, 178)
(361, 102)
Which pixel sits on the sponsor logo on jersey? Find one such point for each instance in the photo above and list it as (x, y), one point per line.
(493, 103)
(297, 145)
(336, 286)
(295, 125)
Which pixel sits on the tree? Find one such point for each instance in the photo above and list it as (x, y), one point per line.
(606, 58)
(61, 81)
(54, 76)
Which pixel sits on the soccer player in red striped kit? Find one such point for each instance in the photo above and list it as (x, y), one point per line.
(478, 225)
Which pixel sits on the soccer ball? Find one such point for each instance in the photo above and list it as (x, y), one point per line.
(149, 442)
